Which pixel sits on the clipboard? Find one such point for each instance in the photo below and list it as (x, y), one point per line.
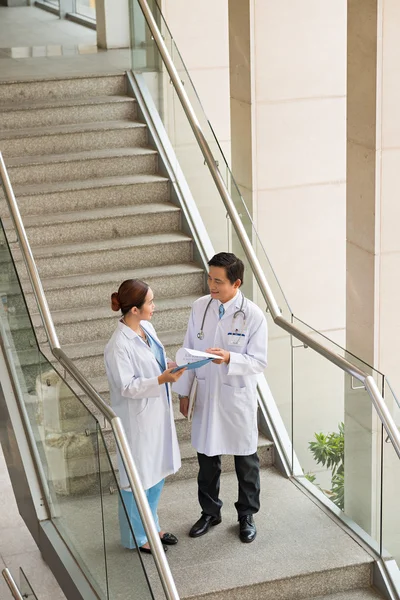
(193, 365)
(192, 399)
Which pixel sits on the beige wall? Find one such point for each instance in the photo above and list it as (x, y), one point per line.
(200, 30)
(299, 53)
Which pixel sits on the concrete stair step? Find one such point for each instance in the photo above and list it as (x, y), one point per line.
(62, 87)
(81, 165)
(73, 409)
(92, 289)
(73, 460)
(105, 255)
(98, 224)
(85, 194)
(299, 552)
(56, 139)
(190, 466)
(56, 111)
(91, 323)
(360, 594)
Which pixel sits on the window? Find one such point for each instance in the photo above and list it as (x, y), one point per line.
(86, 8)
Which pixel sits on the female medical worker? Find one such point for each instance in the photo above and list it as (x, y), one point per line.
(140, 394)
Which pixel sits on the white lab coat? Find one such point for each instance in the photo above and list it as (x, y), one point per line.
(142, 405)
(225, 414)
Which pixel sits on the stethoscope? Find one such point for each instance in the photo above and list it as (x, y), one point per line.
(200, 335)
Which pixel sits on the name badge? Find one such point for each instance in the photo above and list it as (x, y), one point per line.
(236, 338)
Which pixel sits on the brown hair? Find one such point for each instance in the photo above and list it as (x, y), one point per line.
(131, 292)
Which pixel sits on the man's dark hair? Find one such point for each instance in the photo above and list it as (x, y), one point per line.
(233, 266)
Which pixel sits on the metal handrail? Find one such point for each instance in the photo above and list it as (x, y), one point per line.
(255, 265)
(134, 481)
(12, 585)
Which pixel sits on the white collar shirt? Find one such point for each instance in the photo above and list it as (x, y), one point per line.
(228, 304)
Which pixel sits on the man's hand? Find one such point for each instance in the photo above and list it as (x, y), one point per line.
(224, 354)
(184, 406)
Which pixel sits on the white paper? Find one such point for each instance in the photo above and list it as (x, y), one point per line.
(186, 356)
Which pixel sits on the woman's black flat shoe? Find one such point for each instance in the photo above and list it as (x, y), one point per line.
(170, 539)
(148, 550)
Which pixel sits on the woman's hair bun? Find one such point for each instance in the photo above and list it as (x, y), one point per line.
(115, 305)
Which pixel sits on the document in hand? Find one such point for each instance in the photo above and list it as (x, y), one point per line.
(192, 359)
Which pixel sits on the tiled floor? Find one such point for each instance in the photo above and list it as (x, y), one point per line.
(37, 44)
(17, 548)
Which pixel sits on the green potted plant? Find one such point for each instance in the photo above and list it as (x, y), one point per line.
(328, 451)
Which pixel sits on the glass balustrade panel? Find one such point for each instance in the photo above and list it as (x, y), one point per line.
(25, 587)
(62, 430)
(335, 342)
(337, 438)
(126, 567)
(391, 483)
(21, 349)
(70, 444)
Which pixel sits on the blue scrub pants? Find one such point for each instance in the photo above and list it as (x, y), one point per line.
(153, 496)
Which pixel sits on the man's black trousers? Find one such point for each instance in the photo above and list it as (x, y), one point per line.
(248, 475)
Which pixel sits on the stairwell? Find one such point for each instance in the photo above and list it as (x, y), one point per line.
(97, 211)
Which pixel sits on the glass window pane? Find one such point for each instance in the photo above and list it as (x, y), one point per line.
(86, 8)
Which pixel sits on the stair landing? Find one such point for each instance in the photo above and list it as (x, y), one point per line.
(295, 540)
(299, 552)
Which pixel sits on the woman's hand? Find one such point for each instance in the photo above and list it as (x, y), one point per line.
(169, 377)
(224, 354)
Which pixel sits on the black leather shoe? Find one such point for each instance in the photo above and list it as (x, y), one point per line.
(203, 525)
(247, 529)
(148, 550)
(170, 539)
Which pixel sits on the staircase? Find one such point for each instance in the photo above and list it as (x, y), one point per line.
(97, 211)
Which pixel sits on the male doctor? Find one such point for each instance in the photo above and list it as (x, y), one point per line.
(225, 415)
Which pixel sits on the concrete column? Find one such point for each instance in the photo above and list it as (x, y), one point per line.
(243, 152)
(112, 18)
(287, 75)
(200, 31)
(373, 222)
(287, 78)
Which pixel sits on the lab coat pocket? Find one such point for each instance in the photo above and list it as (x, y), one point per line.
(200, 392)
(238, 411)
(141, 416)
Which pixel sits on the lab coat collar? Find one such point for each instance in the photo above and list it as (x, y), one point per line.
(130, 334)
(127, 331)
(236, 300)
(151, 332)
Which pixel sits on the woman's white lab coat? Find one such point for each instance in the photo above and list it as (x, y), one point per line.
(225, 414)
(142, 405)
